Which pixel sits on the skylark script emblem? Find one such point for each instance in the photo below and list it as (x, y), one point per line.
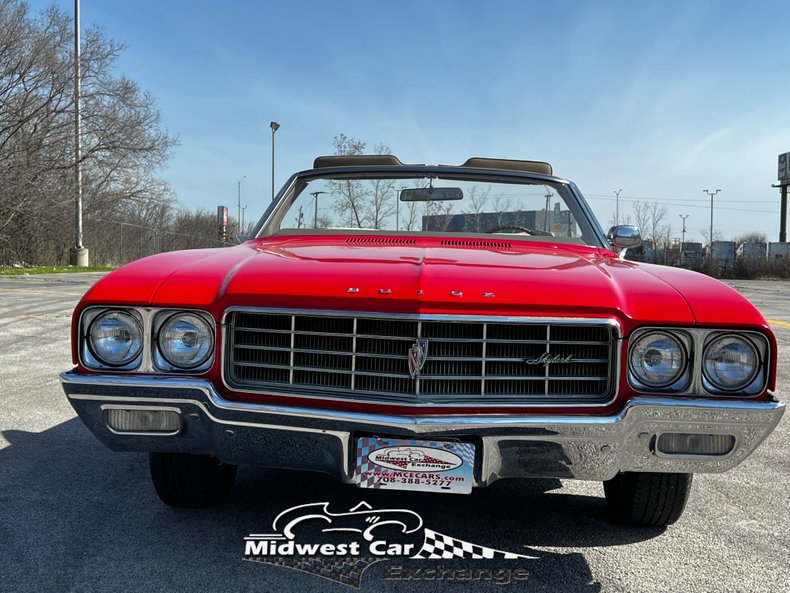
(546, 359)
(417, 355)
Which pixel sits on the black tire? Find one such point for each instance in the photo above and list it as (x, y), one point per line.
(647, 499)
(190, 481)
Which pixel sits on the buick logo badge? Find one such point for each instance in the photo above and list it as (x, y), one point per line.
(417, 355)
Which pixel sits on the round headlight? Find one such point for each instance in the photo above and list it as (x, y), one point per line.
(116, 338)
(731, 363)
(657, 359)
(185, 340)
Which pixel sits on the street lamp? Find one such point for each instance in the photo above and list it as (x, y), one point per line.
(682, 236)
(617, 206)
(711, 194)
(79, 254)
(274, 126)
(710, 248)
(683, 232)
(315, 195)
(546, 212)
(238, 204)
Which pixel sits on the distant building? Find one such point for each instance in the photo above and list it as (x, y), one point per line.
(692, 254)
(777, 250)
(557, 222)
(724, 253)
(752, 251)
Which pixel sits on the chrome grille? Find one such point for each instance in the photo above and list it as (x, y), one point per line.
(469, 360)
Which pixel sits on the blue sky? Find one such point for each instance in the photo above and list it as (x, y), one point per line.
(659, 99)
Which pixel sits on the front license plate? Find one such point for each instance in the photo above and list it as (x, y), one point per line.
(410, 464)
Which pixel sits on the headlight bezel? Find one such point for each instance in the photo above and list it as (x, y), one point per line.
(711, 385)
(160, 359)
(92, 358)
(694, 383)
(148, 360)
(681, 380)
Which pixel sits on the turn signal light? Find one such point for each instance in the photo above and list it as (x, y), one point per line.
(134, 420)
(677, 443)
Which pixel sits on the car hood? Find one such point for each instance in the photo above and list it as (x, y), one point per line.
(525, 279)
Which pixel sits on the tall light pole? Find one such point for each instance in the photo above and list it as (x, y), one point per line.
(238, 203)
(617, 206)
(710, 248)
(243, 210)
(711, 194)
(79, 254)
(315, 195)
(274, 126)
(683, 232)
(682, 235)
(546, 216)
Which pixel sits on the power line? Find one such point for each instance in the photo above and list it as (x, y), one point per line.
(686, 204)
(638, 198)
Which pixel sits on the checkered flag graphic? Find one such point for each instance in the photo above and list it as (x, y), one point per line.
(347, 571)
(439, 546)
(364, 464)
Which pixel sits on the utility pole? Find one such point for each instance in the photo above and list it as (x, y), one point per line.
(682, 237)
(784, 181)
(274, 126)
(710, 248)
(683, 232)
(782, 211)
(315, 195)
(397, 210)
(546, 218)
(711, 194)
(79, 254)
(238, 204)
(617, 207)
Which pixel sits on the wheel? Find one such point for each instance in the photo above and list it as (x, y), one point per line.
(649, 499)
(190, 481)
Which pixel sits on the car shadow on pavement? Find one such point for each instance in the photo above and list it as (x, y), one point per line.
(78, 517)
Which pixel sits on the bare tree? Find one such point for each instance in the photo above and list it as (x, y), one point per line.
(650, 217)
(362, 203)
(350, 202)
(123, 143)
(624, 219)
(380, 206)
(475, 203)
(717, 236)
(751, 238)
(441, 214)
(410, 221)
(503, 206)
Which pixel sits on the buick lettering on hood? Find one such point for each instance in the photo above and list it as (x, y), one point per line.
(432, 328)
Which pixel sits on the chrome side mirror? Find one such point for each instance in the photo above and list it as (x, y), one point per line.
(624, 236)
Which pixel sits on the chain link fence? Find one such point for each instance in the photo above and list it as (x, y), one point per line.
(116, 242)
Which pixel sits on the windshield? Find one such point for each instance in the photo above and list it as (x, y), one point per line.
(433, 204)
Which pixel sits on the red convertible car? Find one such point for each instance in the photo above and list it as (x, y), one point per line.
(475, 313)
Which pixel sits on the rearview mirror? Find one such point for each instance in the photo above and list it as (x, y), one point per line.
(431, 194)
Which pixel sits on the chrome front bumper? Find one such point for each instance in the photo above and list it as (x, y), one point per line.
(581, 447)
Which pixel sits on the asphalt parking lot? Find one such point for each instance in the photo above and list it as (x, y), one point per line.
(76, 517)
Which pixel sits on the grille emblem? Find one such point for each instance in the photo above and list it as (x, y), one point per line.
(417, 355)
(546, 359)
